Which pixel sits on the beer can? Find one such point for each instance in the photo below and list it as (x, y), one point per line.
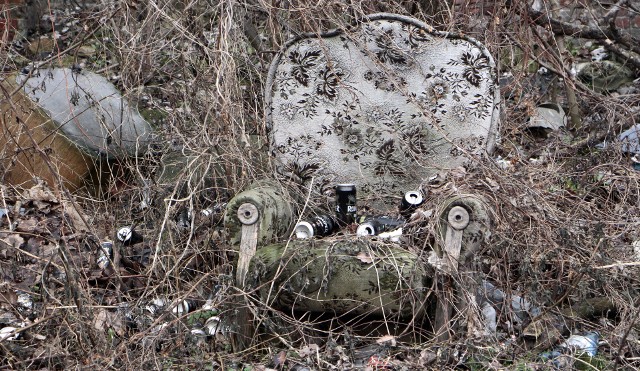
(410, 202)
(105, 254)
(346, 208)
(128, 236)
(374, 225)
(321, 225)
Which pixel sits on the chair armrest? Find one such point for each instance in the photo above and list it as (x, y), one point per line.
(475, 232)
(275, 209)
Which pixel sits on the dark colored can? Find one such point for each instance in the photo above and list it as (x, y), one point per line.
(410, 202)
(128, 236)
(635, 163)
(321, 225)
(346, 208)
(374, 225)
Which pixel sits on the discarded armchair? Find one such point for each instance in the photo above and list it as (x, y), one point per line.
(385, 105)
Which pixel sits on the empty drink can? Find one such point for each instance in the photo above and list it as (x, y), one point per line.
(105, 254)
(128, 236)
(346, 208)
(410, 201)
(374, 225)
(321, 225)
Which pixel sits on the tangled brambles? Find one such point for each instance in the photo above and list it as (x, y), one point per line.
(561, 256)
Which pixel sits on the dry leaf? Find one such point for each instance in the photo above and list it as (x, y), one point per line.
(387, 340)
(493, 185)
(427, 357)
(459, 172)
(75, 217)
(39, 192)
(364, 257)
(28, 225)
(8, 295)
(14, 240)
(309, 350)
(105, 320)
(280, 359)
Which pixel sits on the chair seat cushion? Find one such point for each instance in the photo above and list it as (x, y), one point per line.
(341, 275)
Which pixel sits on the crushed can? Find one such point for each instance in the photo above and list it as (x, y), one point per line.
(105, 254)
(587, 343)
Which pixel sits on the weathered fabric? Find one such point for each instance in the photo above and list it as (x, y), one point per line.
(476, 233)
(275, 208)
(384, 105)
(341, 275)
(89, 110)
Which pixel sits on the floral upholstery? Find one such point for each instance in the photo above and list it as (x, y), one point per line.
(384, 105)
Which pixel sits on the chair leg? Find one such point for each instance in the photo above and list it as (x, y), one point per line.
(249, 217)
(458, 220)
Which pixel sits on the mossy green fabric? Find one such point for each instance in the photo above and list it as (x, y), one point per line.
(276, 212)
(338, 276)
(478, 230)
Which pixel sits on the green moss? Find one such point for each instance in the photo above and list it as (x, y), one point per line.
(153, 115)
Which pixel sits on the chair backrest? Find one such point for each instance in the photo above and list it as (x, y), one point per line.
(385, 105)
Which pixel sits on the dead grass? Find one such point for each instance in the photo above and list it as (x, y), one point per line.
(565, 214)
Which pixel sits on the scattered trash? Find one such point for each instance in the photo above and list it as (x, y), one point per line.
(604, 75)
(146, 194)
(105, 254)
(156, 306)
(214, 214)
(213, 326)
(575, 345)
(9, 333)
(183, 219)
(587, 343)
(635, 162)
(630, 140)
(548, 116)
(393, 236)
(599, 54)
(503, 163)
(128, 236)
(521, 308)
(25, 301)
(630, 143)
(489, 316)
(198, 332)
(375, 225)
(636, 249)
(321, 225)
(184, 307)
(410, 202)
(346, 208)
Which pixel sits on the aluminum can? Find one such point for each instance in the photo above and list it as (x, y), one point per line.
(410, 202)
(128, 236)
(321, 225)
(374, 225)
(105, 254)
(346, 208)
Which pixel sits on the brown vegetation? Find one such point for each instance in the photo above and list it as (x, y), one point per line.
(566, 214)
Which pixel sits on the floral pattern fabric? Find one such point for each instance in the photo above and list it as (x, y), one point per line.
(385, 106)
